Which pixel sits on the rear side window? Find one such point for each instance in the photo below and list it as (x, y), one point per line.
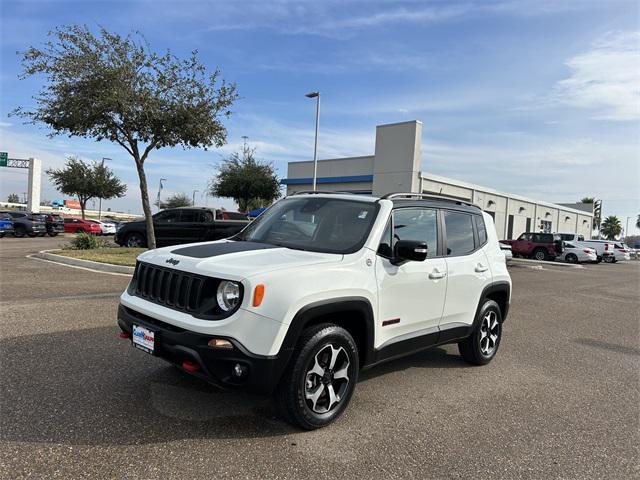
(482, 230)
(188, 216)
(418, 224)
(459, 228)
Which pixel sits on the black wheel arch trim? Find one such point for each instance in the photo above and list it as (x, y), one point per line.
(496, 287)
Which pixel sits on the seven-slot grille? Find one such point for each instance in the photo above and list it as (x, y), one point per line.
(171, 288)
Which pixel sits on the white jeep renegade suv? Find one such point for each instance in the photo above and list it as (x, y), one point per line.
(319, 287)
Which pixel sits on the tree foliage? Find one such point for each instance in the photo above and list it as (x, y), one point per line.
(176, 200)
(611, 227)
(588, 200)
(251, 184)
(86, 181)
(110, 87)
(13, 198)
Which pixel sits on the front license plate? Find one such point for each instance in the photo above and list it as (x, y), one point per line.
(143, 338)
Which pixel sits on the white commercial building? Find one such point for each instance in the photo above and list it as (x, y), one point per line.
(396, 167)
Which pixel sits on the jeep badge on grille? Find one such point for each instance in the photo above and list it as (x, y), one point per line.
(173, 261)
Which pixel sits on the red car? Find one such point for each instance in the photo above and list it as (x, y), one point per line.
(77, 225)
(540, 246)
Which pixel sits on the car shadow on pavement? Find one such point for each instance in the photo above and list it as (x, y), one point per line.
(613, 347)
(432, 358)
(88, 387)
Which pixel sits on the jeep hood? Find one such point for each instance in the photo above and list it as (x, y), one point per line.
(234, 260)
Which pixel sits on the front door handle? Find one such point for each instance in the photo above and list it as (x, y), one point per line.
(481, 268)
(437, 274)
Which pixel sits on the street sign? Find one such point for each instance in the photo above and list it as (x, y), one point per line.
(4, 158)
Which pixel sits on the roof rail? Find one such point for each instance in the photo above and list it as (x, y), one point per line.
(434, 196)
(315, 192)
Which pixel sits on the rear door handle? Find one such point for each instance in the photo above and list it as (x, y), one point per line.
(437, 274)
(481, 268)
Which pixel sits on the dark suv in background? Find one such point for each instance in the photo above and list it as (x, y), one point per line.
(54, 223)
(26, 224)
(183, 225)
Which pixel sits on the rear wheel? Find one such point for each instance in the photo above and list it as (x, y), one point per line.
(540, 254)
(134, 240)
(19, 231)
(320, 378)
(609, 259)
(53, 234)
(571, 258)
(481, 346)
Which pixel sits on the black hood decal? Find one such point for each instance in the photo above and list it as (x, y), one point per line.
(215, 249)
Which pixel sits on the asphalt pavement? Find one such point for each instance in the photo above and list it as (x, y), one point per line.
(560, 400)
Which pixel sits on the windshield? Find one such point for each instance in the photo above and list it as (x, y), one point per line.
(317, 224)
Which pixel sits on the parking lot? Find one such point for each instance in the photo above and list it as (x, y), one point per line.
(559, 401)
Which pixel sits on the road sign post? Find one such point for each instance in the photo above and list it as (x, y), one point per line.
(4, 159)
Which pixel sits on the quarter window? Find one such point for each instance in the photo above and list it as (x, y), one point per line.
(482, 230)
(418, 224)
(459, 227)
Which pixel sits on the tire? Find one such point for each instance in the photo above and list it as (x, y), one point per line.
(42, 234)
(571, 258)
(134, 240)
(540, 254)
(609, 259)
(598, 259)
(19, 231)
(308, 373)
(32, 235)
(479, 348)
(52, 234)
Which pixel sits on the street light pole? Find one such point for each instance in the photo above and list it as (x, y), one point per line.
(193, 198)
(100, 207)
(315, 95)
(160, 190)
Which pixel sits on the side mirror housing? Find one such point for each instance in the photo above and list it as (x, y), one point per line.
(409, 251)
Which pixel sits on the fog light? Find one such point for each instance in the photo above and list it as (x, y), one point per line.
(220, 343)
(239, 371)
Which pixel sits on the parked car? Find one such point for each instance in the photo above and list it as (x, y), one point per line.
(604, 249)
(576, 252)
(182, 225)
(621, 252)
(106, 228)
(6, 224)
(506, 249)
(318, 288)
(78, 225)
(54, 224)
(26, 223)
(540, 246)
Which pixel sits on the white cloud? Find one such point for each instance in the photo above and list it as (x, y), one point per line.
(606, 78)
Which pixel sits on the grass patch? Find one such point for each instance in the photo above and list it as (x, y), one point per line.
(114, 256)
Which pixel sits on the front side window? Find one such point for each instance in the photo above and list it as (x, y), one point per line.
(168, 216)
(418, 224)
(459, 228)
(317, 224)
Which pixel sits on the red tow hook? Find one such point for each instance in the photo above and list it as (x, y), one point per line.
(191, 367)
(124, 335)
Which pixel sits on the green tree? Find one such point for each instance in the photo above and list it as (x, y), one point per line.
(110, 87)
(13, 198)
(588, 200)
(597, 210)
(176, 200)
(250, 183)
(611, 227)
(86, 181)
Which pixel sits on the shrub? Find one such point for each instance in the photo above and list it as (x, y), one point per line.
(86, 241)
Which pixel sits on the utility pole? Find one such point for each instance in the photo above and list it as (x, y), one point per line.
(160, 191)
(193, 198)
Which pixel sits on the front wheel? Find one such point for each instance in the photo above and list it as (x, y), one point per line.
(540, 254)
(610, 259)
(134, 240)
(481, 346)
(320, 378)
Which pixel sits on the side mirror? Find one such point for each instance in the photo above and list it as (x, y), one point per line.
(409, 250)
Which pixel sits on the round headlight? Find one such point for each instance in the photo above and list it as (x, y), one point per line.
(228, 295)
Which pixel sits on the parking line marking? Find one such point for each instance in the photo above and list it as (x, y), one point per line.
(32, 257)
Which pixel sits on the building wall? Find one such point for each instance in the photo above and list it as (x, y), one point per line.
(395, 167)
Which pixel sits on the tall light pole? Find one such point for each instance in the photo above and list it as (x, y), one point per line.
(626, 230)
(193, 198)
(159, 191)
(100, 207)
(315, 95)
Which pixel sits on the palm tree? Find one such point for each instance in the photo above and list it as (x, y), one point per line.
(588, 200)
(638, 221)
(611, 227)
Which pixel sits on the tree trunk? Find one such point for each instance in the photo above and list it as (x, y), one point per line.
(82, 206)
(146, 207)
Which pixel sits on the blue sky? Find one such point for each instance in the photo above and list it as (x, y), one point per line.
(533, 97)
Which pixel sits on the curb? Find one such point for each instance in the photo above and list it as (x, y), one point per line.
(77, 262)
(524, 262)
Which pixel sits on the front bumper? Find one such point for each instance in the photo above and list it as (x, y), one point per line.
(177, 345)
